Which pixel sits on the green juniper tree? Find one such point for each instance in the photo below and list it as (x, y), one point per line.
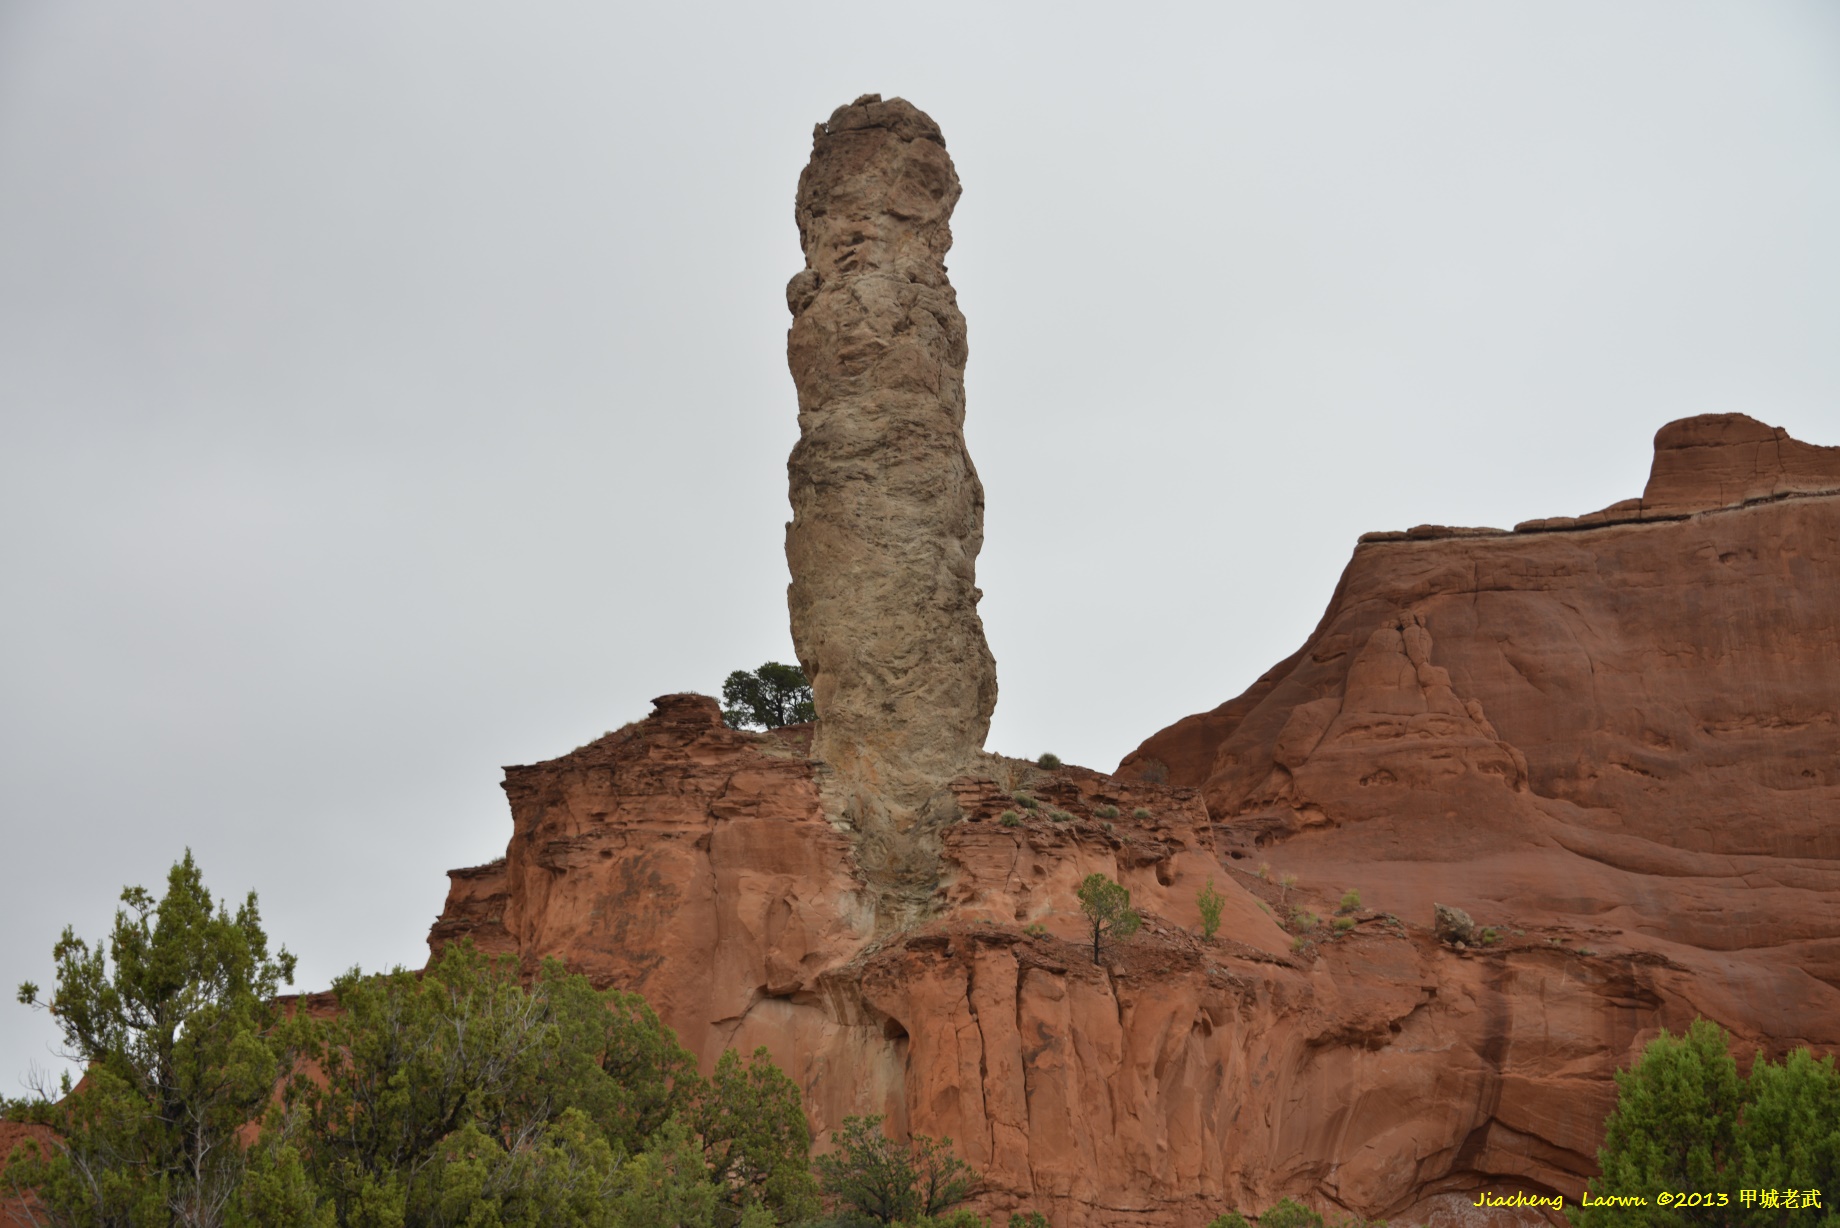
(174, 1026)
(769, 697)
(885, 1183)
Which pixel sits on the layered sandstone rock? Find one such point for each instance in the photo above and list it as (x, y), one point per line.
(1602, 752)
(888, 513)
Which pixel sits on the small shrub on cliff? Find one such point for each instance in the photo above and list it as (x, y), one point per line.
(870, 1174)
(1029, 1219)
(1142, 812)
(1232, 1219)
(1010, 818)
(1108, 911)
(1210, 902)
(771, 696)
(1106, 812)
(1288, 1214)
(1025, 800)
(1049, 760)
(1344, 924)
(1351, 901)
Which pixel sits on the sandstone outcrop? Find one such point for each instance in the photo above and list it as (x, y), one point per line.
(1613, 749)
(888, 512)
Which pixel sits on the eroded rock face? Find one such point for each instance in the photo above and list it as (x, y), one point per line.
(1377, 1069)
(888, 513)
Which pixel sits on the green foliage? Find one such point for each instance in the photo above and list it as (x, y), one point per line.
(1108, 911)
(1343, 924)
(1142, 812)
(1674, 1128)
(175, 1027)
(1685, 1121)
(1035, 929)
(1351, 901)
(1060, 816)
(885, 1183)
(1288, 1214)
(1050, 761)
(1790, 1136)
(461, 1097)
(1010, 818)
(771, 696)
(1304, 919)
(1025, 800)
(1232, 1219)
(1210, 902)
(1106, 812)
(1029, 1219)
(1488, 936)
(756, 1140)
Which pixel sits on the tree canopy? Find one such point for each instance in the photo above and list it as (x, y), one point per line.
(769, 697)
(1108, 910)
(884, 1182)
(464, 1096)
(1687, 1123)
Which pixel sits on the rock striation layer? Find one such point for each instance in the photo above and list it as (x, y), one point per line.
(888, 513)
(1604, 759)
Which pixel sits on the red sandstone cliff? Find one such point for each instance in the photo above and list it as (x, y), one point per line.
(1613, 738)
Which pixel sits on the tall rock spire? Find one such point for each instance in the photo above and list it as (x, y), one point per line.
(887, 509)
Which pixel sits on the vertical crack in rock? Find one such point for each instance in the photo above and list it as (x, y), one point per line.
(887, 510)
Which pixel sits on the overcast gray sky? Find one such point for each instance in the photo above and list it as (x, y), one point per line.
(394, 391)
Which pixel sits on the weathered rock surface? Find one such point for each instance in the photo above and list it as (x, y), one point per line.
(888, 512)
(1625, 736)
(1377, 1069)
(1600, 753)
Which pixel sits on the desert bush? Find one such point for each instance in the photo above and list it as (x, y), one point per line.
(1344, 924)
(887, 1182)
(1288, 1214)
(1049, 760)
(1686, 1120)
(1142, 812)
(1010, 818)
(1108, 911)
(1351, 901)
(1106, 812)
(1210, 902)
(1025, 800)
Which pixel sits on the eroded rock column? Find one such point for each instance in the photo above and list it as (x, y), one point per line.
(887, 510)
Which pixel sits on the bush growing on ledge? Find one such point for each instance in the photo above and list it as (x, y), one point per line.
(1351, 901)
(1108, 911)
(1210, 902)
(1025, 800)
(772, 696)
(1010, 818)
(1049, 760)
(1142, 812)
(1106, 812)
